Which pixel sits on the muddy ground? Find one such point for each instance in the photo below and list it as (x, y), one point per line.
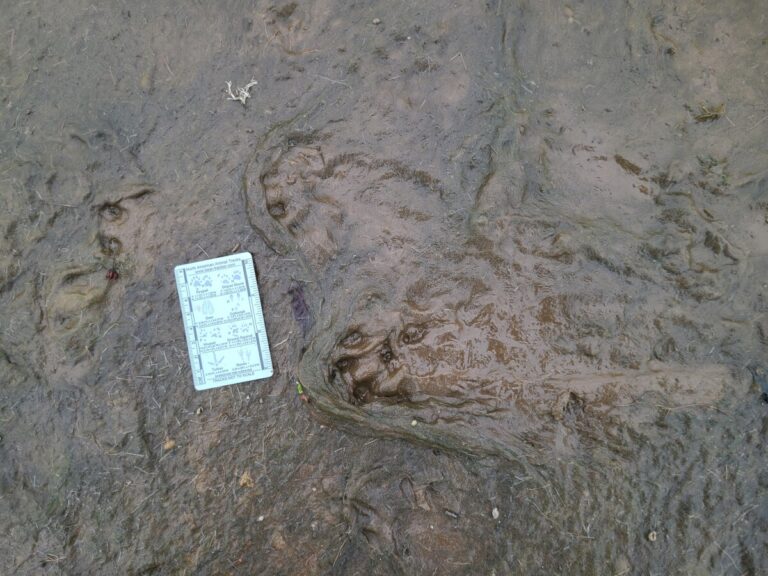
(532, 239)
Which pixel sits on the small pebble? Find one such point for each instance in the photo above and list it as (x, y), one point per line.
(377, 21)
(414, 422)
(199, 411)
(169, 444)
(495, 513)
(652, 536)
(246, 480)
(260, 519)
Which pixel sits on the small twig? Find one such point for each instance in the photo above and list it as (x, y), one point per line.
(763, 119)
(727, 555)
(143, 501)
(461, 57)
(332, 80)
(339, 552)
(110, 328)
(240, 94)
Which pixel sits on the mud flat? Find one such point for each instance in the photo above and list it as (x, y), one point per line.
(516, 255)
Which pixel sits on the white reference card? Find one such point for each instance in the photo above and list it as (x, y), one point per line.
(223, 321)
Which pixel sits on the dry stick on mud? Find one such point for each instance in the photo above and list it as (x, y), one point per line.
(241, 94)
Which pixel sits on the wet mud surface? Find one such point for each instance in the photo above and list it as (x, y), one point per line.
(515, 253)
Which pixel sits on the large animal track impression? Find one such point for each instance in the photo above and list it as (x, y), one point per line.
(327, 204)
(430, 330)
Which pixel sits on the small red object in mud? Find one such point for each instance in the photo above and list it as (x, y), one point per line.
(112, 274)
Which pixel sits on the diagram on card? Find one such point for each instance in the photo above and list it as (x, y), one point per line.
(223, 321)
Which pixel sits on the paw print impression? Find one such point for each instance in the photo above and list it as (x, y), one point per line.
(127, 230)
(331, 204)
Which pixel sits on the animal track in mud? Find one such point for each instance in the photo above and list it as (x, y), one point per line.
(78, 295)
(329, 204)
(126, 229)
(370, 370)
(424, 321)
(478, 371)
(456, 353)
(287, 26)
(415, 362)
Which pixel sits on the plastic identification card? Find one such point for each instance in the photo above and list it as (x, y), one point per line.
(223, 321)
